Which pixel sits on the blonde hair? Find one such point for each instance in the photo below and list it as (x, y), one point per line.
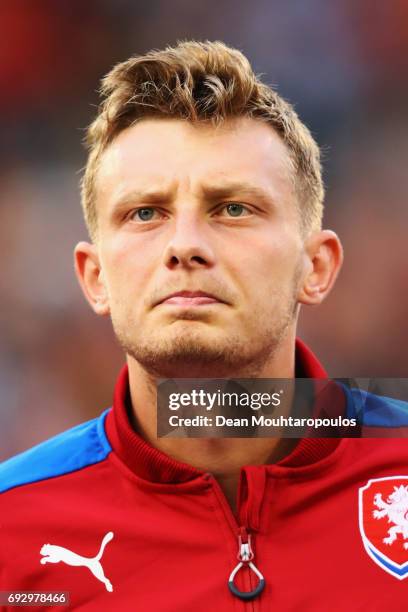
(199, 81)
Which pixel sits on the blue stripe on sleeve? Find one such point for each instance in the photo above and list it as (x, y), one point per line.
(72, 450)
(375, 410)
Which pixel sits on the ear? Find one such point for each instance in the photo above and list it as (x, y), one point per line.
(323, 259)
(90, 276)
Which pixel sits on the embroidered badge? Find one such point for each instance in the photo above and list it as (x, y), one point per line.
(383, 521)
(56, 554)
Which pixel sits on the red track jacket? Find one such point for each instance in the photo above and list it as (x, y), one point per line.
(98, 512)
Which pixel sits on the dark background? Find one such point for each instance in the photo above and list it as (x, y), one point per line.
(342, 63)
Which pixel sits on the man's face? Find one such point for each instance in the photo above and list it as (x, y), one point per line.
(209, 213)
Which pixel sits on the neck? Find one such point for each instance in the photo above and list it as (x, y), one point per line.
(223, 457)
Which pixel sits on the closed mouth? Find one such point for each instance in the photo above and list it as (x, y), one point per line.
(190, 298)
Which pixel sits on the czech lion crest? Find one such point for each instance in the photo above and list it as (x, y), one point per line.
(383, 520)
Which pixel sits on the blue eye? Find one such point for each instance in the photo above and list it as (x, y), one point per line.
(236, 210)
(144, 214)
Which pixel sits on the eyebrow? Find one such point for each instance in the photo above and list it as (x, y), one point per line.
(148, 196)
(211, 192)
(138, 196)
(228, 189)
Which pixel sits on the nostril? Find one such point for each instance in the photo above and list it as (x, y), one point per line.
(198, 259)
(174, 261)
(186, 258)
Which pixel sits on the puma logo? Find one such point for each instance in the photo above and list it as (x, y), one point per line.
(57, 554)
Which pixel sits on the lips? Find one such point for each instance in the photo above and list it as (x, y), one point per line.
(190, 298)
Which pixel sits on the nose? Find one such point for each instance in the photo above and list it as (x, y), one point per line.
(189, 245)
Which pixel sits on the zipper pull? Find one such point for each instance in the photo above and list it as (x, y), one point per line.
(245, 556)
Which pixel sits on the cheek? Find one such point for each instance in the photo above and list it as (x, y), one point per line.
(265, 268)
(128, 268)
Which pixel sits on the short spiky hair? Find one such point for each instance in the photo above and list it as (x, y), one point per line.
(199, 82)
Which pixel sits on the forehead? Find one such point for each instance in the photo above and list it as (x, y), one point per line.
(167, 153)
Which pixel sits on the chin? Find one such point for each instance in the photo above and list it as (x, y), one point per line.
(191, 337)
(193, 349)
(184, 356)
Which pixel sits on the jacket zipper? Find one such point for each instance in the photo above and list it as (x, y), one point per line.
(245, 553)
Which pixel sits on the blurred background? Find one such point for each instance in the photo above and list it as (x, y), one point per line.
(342, 63)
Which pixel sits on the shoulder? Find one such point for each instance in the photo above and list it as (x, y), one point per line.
(376, 410)
(72, 450)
